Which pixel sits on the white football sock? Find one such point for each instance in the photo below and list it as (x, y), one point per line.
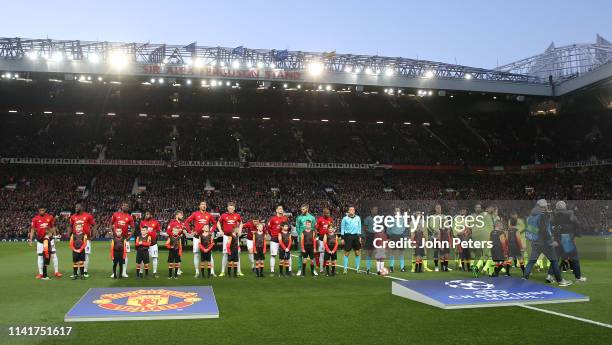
(252, 259)
(154, 265)
(196, 262)
(272, 263)
(125, 266)
(86, 265)
(41, 263)
(212, 264)
(55, 262)
(224, 263)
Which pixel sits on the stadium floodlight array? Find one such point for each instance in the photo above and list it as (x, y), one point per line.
(120, 55)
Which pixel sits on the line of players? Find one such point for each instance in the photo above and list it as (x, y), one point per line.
(318, 242)
(507, 235)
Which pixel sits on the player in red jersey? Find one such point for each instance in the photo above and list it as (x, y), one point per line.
(152, 227)
(226, 223)
(84, 221)
(41, 224)
(274, 228)
(200, 218)
(124, 221)
(251, 227)
(322, 227)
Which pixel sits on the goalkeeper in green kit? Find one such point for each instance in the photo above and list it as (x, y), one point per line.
(482, 232)
(300, 225)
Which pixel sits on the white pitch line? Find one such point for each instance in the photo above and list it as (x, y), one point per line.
(362, 271)
(597, 323)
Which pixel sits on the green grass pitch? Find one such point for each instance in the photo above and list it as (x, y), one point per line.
(351, 309)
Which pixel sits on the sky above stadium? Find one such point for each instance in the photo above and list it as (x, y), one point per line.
(475, 33)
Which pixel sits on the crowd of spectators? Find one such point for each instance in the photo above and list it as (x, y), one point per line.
(257, 191)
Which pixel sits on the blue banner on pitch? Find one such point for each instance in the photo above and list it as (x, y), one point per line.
(482, 292)
(145, 303)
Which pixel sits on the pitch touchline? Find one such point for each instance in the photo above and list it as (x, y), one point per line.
(597, 323)
(354, 269)
(566, 316)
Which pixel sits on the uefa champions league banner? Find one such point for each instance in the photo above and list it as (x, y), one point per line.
(482, 292)
(145, 303)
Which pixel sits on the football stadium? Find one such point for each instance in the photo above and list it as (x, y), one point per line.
(182, 193)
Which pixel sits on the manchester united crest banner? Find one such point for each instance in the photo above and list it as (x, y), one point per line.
(145, 303)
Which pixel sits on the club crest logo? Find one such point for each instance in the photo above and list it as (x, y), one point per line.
(469, 285)
(138, 301)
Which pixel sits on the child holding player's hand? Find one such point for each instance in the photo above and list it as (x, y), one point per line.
(78, 242)
(285, 241)
(207, 243)
(259, 250)
(330, 242)
(118, 252)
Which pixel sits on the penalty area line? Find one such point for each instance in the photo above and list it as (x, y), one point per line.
(597, 323)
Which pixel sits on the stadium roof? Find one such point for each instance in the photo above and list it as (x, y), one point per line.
(528, 76)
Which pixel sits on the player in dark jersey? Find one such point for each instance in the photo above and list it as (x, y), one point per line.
(330, 244)
(142, 242)
(308, 246)
(499, 251)
(78, 242)
(445, 236)
(515, 246)
(285, 241)
(232, 252)
(464, 233)
(206, 243)
(175, 230)
(418, 235)
(259, 250)
(118, 253)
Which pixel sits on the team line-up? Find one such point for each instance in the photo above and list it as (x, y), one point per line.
(318, 241)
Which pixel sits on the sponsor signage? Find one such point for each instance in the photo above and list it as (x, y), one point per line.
(482, 292)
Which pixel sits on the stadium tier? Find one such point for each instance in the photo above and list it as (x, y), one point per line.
(104, 120)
